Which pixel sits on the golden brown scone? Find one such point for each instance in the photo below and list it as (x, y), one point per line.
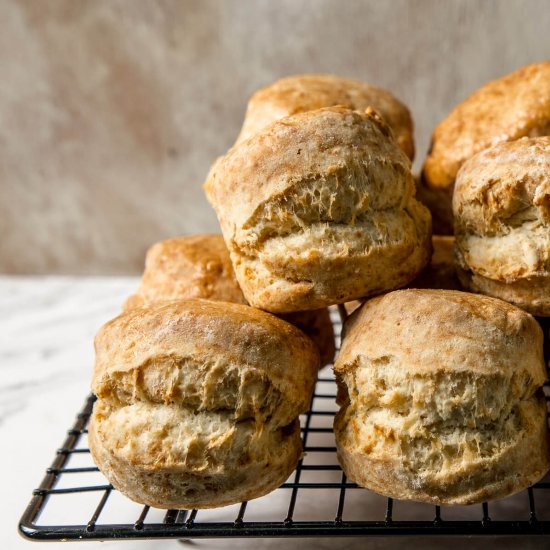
(198, 402)
(195, 266)
(198, 266)
(322, 211)
(441, 397)
(502, 223)
(309, 92)
(441, 271)
(506, 109)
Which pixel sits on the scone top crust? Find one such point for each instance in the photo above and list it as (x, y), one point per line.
(206, 355)
(283, 156)
(504, 185)
(465, 332)
(501, 206)
(308, 92)
(505, 109)
(194, 266)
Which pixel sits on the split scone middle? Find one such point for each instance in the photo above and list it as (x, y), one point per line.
(319, 208)
(198, 403)
(441, 398)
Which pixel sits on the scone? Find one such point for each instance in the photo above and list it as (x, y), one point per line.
(502, 223)
(441, 271)
(441, 398)
(198, 403)
(198, 266)
(309, 92)
(506, 109)
(195, 266)
(319, 209)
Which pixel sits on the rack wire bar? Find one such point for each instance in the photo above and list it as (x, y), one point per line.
(317, 471)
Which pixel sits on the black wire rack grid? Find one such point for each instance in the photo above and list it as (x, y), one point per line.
(75, 502)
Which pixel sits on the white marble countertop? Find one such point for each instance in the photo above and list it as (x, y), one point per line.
(47, 326)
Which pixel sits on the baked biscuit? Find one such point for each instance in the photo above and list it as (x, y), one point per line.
(195, 266)
(309, 92)
(506, 109)
(441, 398)
(322, 211)
(198, 266)
(198, 403)
(502, 223)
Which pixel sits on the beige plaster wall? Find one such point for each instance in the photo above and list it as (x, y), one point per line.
(112, 111)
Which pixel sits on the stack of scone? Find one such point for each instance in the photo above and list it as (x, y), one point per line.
(200, 381)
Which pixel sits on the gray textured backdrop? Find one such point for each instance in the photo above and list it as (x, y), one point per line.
(112, 111)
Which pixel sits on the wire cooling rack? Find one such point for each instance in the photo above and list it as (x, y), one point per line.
(75, 502)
